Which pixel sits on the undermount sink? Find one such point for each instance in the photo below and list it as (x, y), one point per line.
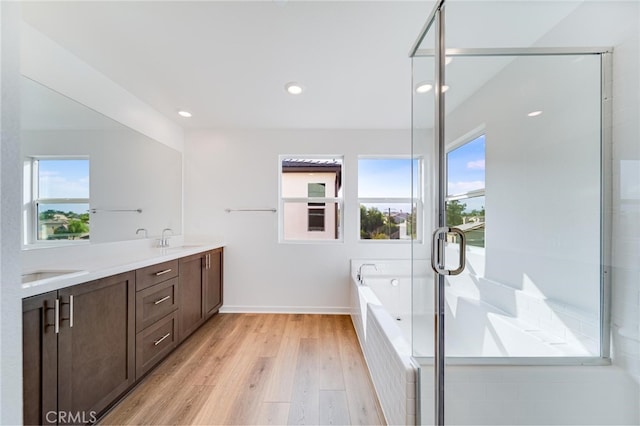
(182, 247)
(43, 275)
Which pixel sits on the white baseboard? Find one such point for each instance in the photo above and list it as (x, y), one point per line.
(285, 309)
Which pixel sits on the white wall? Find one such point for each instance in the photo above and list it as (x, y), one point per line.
(10, 301)
(234, 169)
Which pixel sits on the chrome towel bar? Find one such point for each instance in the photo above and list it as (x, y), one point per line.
(94, 211)
(272, 210)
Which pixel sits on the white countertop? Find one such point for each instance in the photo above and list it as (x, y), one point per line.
(106, 262)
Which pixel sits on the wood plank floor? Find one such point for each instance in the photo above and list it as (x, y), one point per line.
(258, 369)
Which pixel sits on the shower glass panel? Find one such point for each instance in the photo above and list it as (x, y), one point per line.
(524, 172)
(523, 156)
(423, 143)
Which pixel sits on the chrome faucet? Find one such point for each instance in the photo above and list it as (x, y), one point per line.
(164, 240)
(359, 275)
(146, 234)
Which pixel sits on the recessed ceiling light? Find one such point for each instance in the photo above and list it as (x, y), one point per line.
(534, 113)
(293, 88)
(445, 88)
(183, 113)
(424, 87)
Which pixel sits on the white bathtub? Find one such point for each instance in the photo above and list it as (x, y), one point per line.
(390, 337)
(473, 328)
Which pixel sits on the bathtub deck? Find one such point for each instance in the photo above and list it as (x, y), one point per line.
(259, 369)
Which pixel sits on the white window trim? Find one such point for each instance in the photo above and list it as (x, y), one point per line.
(396, 200)
(283, 200)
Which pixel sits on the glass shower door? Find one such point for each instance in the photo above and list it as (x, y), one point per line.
(522, 172)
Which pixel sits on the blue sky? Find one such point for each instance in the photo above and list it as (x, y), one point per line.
(385, 178)
(64, 179)
(466, 171)
(379, 178)
(465, 167)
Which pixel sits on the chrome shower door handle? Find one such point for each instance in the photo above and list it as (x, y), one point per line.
(437, 251)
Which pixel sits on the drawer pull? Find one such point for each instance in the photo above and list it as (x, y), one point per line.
(157, 342)
(159, 301)
(166, 271)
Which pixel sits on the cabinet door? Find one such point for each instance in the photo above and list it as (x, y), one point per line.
(191, 314)
(39, 357)
(96, 352)
(213, 282)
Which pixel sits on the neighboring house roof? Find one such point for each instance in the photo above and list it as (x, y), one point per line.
(469, 226)
(291, 165)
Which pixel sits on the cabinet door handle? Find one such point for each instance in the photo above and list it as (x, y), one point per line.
(166, 271)
(208, 261)
(157, 342)
(70, 303)
(56, 318)
(71, 311)
(159, 301)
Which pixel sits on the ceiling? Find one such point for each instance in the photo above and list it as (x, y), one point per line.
(227, 62)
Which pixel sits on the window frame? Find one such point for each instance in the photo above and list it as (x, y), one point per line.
(419, 201)
(337, 201)
(32, 200)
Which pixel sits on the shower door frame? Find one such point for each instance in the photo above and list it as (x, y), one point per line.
(440, 53)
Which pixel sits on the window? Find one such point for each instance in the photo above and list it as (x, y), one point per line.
(310, 198)
(316, 215)
(465, 190)
(60, 199)
(389, 195)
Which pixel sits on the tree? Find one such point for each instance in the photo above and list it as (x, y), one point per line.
(454, 212)
(411, 223)
(77, 227)
(371, 220)
(376, 225)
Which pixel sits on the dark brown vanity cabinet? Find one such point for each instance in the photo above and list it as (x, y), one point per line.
(40, 359)
(191, 312)
(84, 346)
(93, 327)
(213, 282)
(200, 289)
(157, 296)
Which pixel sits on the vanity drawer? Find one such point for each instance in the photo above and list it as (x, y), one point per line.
(155, 342)
(155, 302)
(154, 274)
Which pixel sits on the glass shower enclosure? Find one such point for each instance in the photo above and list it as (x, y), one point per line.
(517, 121)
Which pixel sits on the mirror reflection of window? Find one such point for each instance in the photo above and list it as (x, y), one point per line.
(61, 199)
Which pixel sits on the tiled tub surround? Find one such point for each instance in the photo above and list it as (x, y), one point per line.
(387, 353)
(100, 260)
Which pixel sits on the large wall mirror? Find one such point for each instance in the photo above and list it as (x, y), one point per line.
(88, 177)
